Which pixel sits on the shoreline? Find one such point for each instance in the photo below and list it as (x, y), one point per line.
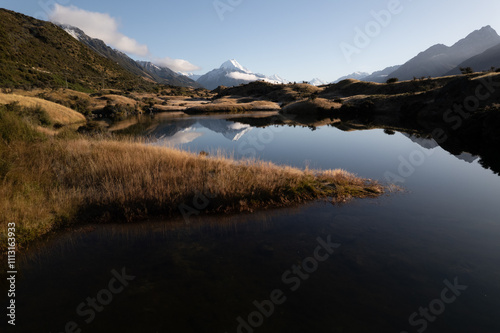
(55, 183)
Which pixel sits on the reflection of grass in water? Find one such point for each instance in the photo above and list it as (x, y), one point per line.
(52, 183)
(141, 127)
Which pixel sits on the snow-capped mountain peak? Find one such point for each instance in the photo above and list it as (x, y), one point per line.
(192, 76)
(231, 74)
(277, 79)
(317, 82)
(234, 65)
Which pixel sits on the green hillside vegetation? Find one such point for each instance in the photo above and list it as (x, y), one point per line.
(39, 54)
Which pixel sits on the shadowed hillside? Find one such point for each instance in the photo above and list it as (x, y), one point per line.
(40, 54)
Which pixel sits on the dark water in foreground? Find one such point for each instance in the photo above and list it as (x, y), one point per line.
(430, 255)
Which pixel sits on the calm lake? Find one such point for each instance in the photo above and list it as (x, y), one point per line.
(423, 260)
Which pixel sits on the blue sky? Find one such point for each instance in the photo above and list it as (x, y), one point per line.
(298, 40)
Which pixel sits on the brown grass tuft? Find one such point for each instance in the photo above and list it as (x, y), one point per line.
(54, 183)
(58, 114)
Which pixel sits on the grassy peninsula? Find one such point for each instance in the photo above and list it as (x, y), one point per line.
(54, 177)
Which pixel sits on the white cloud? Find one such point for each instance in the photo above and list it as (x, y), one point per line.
(104, 27)
(177, 65)
(98, 25)
(242, 76)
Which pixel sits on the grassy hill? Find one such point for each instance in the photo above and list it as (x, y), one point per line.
(36, 53)
(56, 113)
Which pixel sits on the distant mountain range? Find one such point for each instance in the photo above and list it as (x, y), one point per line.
(480, 50)
(381, 76)
(231, 74)
(39, 53)
(481, 62)
(440, 59)
(144, 69)
(355, 76)
(317, 82)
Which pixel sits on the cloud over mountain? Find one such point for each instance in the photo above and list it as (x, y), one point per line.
(177, 65)
(242, 76)
(98, 25)
(106, 28)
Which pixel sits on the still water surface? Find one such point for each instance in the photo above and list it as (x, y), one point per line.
(430, 255)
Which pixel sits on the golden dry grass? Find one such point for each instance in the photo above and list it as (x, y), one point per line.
(55, 183)
(310, 106)
(58, 114)
(234, 105)
(58, 94)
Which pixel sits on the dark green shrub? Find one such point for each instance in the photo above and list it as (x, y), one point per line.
(466, 70)
(35, 115)
(13, 127)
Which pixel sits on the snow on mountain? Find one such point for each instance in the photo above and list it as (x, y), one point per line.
(166, 75)
(192, 76)
(230, 130)
(186, 131)
(278, 79)
(231, 74)
(144, 69)
(72, 31)
(317, 82)
(234, 65)
(355, 76)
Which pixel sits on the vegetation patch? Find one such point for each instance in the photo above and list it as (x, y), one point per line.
(53, 182)
(55, 113)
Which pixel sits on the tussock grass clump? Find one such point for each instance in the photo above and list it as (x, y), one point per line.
(57, 114)
(14, 128)
(311, 106)
(55, 183)
(234, 107)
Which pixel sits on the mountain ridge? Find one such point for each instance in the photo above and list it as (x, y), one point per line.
(481, 62)
(439, 59)
(41, 54)
(159, 74)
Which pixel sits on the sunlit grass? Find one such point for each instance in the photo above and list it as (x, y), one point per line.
(58, 114)
(59, 182)
(48, 182)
